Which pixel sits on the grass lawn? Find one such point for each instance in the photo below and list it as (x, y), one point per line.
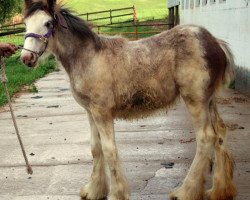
(20, 75)
(15, 39)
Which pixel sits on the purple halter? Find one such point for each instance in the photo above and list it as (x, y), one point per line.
(44, 38)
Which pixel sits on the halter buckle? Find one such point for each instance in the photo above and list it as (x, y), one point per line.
(43, 39)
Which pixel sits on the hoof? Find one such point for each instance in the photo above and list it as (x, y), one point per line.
(221, 194)
(118, 198)
(120, 195)
(186, 193)
(174, 198)
(90, 192)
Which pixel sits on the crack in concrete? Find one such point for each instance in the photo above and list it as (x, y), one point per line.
(150, 178)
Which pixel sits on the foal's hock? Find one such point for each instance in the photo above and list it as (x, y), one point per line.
(112, 77)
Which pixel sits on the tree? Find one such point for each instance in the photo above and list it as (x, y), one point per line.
(8, 8)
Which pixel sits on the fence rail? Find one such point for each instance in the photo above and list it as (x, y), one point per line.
(138, 24)
(136, 33)
(104, 11)
(11, 25)
(12, 32)
(111, 14)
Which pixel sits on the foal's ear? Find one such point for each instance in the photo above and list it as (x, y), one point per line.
(51, 5)
(28, 3)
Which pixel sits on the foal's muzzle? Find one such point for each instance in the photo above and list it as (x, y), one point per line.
(29, 59)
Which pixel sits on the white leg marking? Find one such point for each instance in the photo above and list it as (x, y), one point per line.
(97, 188)
(119, 189)
(223, 185)
(193, 185)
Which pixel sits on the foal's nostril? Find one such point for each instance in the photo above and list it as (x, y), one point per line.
(28, 58)
(23, 58)
(33, 57)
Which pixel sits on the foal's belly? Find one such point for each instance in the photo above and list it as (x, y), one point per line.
(145, 100)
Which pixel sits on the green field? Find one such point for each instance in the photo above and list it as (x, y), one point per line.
(15, 39)
(146, 9)
(20, 75)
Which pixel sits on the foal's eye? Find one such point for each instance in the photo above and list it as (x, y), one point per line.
(48, 24)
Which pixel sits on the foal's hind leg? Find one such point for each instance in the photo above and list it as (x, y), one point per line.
(193, 185)
(223, 186)
(97, 188)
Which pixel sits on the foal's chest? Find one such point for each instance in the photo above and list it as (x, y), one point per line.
(80, 91)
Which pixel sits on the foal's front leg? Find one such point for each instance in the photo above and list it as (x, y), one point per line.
(119, 189)
(97, 188)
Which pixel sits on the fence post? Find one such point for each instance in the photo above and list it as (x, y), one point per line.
(136, 31)
(98, 30)
(135, 14)
(87, 16)
(111, 22)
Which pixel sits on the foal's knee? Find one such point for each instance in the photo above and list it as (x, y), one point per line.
(207, 136)
(109, 151)
(96, 151)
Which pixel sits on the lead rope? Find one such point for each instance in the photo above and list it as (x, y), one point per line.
(4, 80)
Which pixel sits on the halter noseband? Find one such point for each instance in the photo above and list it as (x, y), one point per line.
(44, 37)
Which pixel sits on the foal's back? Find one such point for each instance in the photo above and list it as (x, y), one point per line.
(150, 73)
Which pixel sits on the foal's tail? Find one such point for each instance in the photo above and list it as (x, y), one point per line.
(229, 71)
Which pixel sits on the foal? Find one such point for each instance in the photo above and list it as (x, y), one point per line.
(115, 78)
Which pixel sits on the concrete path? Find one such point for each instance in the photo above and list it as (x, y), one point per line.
(56, 135)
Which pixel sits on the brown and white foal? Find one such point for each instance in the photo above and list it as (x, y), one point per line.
(112, 77)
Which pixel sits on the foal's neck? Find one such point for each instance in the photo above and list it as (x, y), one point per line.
(72, 51)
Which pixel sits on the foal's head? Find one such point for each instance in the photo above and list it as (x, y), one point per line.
(40, 27)
(44, 19)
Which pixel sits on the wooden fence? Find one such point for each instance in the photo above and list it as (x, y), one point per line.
(136, 33)
(111, 15)
(110, 29)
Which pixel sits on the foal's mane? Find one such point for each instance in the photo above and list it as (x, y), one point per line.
(75, 24)
(79, 27)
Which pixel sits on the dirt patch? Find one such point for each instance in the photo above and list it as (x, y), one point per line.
(226, 101)
(3, 109)
(223, 101)
(240, 99)
(233, 127)
(24, 90)
(168, 165)
(187, 141)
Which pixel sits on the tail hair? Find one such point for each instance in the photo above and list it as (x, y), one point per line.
(229, 71)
